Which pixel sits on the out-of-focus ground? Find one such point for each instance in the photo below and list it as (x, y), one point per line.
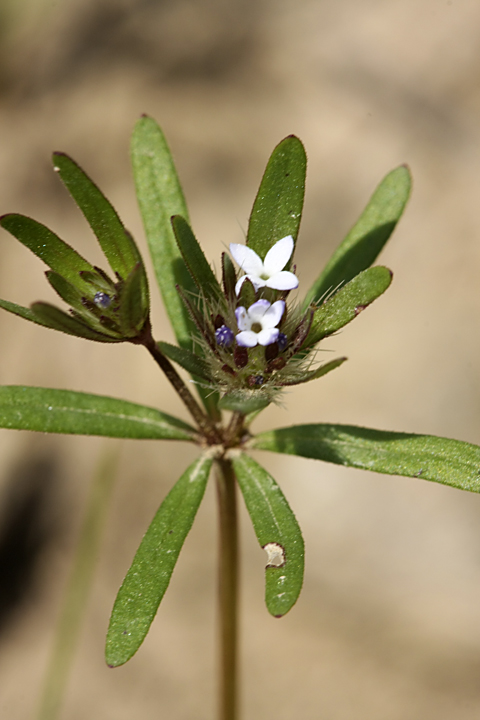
(388, 624)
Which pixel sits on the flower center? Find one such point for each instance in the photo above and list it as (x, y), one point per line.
(256, 327)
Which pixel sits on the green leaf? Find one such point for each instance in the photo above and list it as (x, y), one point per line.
(117, 244)
(186, 359)
(57, 319)
(348, 302)
(159, 197)
(314, 374)
(450, 462)
(244, 401)
(76, 413)
(195, 260)
(134, 301)
(277, 209)
(366, 239)
(149, 575)
(59, 256)
(64, 289)
(22, 312)
(277, 532)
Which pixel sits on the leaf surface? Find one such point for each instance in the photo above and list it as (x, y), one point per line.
(277, 531)
(77, 413)
(160, 197)
(57, 319)
(117, 244)
(59, 256)
(442, 460)
(364, 242)
(277, 209)
(186, 359)
(195, 260)
(348, 302)
(149, 575)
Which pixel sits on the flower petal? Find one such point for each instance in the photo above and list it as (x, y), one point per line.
(283, 281)
(247, 259)
(273, 315)
(256, 282)
(242, 318)
(247, 338)
(278, 256)
(267, 336)
(257, 311)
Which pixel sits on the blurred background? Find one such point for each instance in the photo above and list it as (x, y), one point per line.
(388, 624)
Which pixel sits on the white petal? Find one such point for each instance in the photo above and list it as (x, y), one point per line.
(267, 336)
(247, 339)
(242, 319)
(283, 281)
(273, 315)
(278, 256)
(256, 282)
(258, 310)
(247, 259)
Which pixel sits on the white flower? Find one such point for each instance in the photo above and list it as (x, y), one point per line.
(269, 272)
(258, 323)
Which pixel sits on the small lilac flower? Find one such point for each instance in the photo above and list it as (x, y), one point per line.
(282, 341)
(257, 325)
(269, 272)
(224, 336)
(102, 300)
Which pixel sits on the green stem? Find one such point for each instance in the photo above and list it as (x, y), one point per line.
(228, 591)
(206, 425)
(76, 595)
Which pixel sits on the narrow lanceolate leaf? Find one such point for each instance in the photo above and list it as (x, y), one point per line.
(348, 302)
(59, 256)
(450, 462)
(148, 578)
(159, 197)
(366, 239)
(76, 413)
(314, 374)
(64, 289)
(277, 532)
(195, 260)
(117, 244)
(57, 319)
(186, 359)
(22, 312)
(277, 209)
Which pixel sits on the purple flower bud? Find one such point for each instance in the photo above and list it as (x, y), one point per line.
(224, 336)
(102, 300)
(282, 341)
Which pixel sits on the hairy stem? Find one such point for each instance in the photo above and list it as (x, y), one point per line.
(208, 428)
(228, 591)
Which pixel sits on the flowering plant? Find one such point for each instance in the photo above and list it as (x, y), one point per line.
(242, 339)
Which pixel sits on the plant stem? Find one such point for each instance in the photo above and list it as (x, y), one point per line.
(228, 591)
(208, 428)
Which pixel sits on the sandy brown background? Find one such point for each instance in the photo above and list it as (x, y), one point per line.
(388, 625)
